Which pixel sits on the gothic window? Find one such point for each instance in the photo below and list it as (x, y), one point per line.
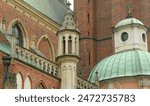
(124, 36)
(144, 37)
(19, 34)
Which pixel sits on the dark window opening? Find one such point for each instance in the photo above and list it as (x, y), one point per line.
(124, 36)
(144, 37)
(70, 45)
(19, 36)
(76, 45)
(64, 47)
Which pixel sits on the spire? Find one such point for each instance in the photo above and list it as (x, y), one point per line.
(69, 22)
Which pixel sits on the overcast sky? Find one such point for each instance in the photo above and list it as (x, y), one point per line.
(71, 1)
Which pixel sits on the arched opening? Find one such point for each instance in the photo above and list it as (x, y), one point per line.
(19, 81)
(27, 83)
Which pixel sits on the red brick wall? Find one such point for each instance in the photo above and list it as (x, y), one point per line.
(97, 28)
(88, 56)
(44, 47)
(103, 18)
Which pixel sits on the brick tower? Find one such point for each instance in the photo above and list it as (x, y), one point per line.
(95, 19)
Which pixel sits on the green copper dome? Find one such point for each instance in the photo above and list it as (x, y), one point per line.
(128, 21)
(129, 63)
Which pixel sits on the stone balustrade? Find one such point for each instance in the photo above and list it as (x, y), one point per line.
(84, 84)
(36, 61)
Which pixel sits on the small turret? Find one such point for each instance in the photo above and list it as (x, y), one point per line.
(68, 50)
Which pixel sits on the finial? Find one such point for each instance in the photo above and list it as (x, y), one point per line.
(68, 4)
(129, 9)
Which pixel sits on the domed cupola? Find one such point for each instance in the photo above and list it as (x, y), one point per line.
(130, 33)
(131, 58)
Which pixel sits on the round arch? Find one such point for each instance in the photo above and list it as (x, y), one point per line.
(51, 48)
(23, 30)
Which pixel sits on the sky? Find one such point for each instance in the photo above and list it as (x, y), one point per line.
(71, 1)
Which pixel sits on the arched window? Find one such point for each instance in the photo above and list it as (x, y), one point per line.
(19, 34)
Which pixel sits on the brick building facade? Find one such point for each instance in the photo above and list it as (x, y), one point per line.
(46, 51)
